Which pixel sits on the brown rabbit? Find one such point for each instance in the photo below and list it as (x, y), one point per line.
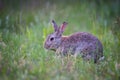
(85, 44)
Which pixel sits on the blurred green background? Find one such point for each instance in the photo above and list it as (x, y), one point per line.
(24, 25)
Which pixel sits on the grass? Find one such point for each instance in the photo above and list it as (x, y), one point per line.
(22, 35)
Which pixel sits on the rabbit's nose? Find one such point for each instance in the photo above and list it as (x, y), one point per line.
(46, 46)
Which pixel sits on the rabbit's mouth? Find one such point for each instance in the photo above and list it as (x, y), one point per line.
(53, 49)
(47, 47)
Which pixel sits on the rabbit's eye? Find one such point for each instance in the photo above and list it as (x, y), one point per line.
(51, 39)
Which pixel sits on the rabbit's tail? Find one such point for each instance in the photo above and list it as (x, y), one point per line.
(102, 58)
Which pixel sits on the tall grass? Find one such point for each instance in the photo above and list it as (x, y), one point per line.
(22, 35)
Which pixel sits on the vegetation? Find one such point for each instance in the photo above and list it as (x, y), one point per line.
(25, 25)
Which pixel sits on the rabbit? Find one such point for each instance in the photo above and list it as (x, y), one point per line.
(79, 43)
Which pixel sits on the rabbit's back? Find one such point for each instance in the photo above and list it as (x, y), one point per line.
(84, 43)
(80, 37)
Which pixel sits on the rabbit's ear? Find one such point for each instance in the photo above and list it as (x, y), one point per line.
(54, 25)
(62, 27)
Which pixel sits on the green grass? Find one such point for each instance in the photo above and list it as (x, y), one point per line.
(23, 57)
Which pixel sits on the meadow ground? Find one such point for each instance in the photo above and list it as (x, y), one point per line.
(23, 31)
